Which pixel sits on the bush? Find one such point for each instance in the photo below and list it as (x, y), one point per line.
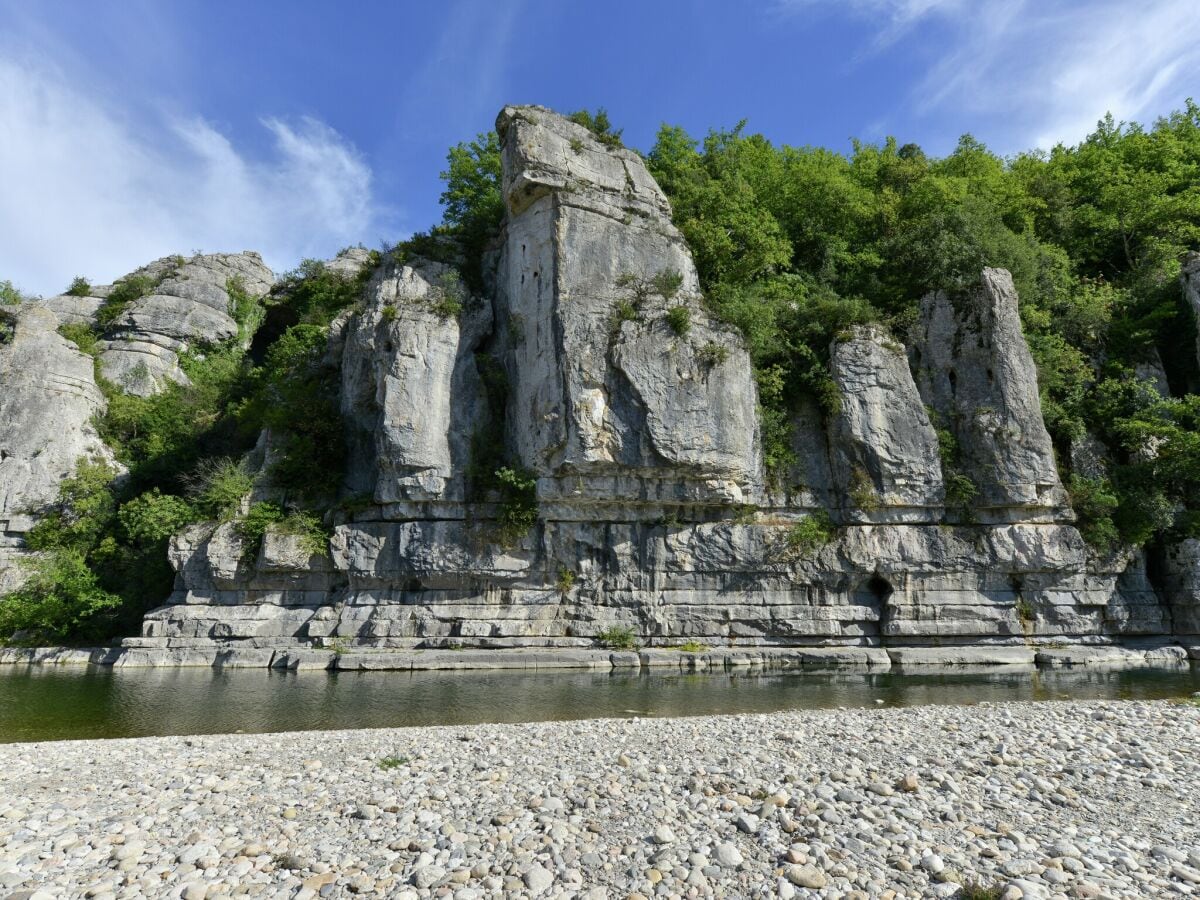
(314, 539)
(623, 311)
(618, 638)
(252, 527)
(712, 354)
(151, 518)
(680, 319)
(80, 287)
(566, 580)
(61, 602)
(518, 506)
(809, 535)
(84, 512)
(247, 311)
(447, 301)
(124, 292)
(81, 336)
(219, 485)
(599, 125)
(1094, 502)
(9, 295)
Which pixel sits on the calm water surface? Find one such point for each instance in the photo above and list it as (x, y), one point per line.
(48, 703)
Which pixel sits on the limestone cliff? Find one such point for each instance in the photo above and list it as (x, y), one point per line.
(926, 507)
(48, 398)
(188, 307)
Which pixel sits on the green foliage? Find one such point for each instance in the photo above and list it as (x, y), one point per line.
(9, 295)
(252, 527)
(449, 295)
(61, 602)
(565, 581)
(392, 762)
(80, 287)
(314, 539)
(79, 519)
(296, 397)
(679, 318)
(1094, 502)
(189, 439)
(518, 504)
(599, 125)
(666, 283)
(218, 486)
(150, 519)
(124, 292)
(618, 638)
(313, 294)
(623, 311)
(808, 535)
(795, 243)
(473, 205)
(82, 336)
(960, 491)
(1025, 611)
(102, 560)
(712, 354)
(247, 311)
(692, 647)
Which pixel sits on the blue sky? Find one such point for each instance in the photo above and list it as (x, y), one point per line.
(136, 128)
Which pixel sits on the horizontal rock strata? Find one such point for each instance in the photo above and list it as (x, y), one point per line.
(588, 390)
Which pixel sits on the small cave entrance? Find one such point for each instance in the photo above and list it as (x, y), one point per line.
(875, 593)
(277, 320)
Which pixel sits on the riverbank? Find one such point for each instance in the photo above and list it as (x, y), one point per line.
(1070, 799)
(179, 653)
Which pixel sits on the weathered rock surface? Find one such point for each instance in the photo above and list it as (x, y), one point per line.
(48, 397)
(411, 391)
(602, 385)
(188, 308)
(73, 310)
(883, 447)
(1181, 569)
(974, 369)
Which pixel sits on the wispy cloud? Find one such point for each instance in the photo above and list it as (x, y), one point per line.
(1048, 69)
(88, 190)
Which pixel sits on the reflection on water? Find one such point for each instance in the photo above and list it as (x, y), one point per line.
(48, 703)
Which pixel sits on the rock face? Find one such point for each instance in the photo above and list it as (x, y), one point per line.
(590, 370)
(40, 371)
(882, 445)
(410, 387)
(1189, 277)
(602, 385)
(189, 307)
(975, 371)
(1181, 569)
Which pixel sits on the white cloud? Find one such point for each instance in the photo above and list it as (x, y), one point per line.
(1043, 71)
(90, 191)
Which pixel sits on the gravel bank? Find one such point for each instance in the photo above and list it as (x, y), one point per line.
(1035, 800)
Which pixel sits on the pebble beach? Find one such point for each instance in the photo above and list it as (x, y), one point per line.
(1060, 799)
